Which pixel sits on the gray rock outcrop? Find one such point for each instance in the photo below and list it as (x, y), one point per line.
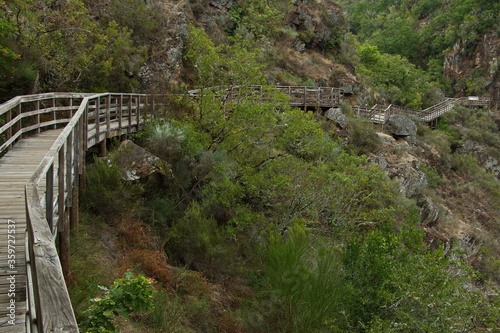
(403, 126)
(336, 115)
(429, 214)
(486, 161)
(137, 163)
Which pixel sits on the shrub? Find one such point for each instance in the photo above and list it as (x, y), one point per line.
(198, 242)
(106, 193)
(433, 177)
(125, 296)
(168, 314)
(362, 137)
(302, 285)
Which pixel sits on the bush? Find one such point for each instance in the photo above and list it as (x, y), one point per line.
(362, 137)
(433, 177)
(168, 314)
(106, 193)
(303, 286)
(125, 296)
(198, 242)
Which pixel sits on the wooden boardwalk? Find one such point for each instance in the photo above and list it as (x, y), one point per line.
(381, 114)
(16, 168)
(43, 142)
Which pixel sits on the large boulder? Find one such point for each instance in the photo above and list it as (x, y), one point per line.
(137, 163)
(336, 115)
(403, 126)
(429, 214)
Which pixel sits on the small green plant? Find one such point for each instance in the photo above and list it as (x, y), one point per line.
(303, 284)
(433, 177)
(125, 296)
(362, 137)
(168, 313)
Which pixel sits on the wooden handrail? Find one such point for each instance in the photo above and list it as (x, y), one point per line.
(303, 96)
(427, 115)
(47, 205)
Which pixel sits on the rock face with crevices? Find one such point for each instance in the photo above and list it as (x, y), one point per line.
(429, 214)
(320, 24)
(164, 64)
(488, 162)
(460, 63)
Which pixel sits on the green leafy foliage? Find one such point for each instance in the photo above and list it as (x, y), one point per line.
(423, 31)
(260, 18)
(125, 296)
(302, 285)
(298, 233)
(396, 79)
(61, 47)
(433, 177)
(400, 286)
(222, 65)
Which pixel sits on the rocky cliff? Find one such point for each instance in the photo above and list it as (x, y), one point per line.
(306, 50)
(479, 66)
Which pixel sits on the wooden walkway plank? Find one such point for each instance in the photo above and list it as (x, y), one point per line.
(16, 168)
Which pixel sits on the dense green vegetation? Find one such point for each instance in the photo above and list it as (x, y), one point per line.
(262, 219)
(277, 227)
(60, 46)
(423, 31)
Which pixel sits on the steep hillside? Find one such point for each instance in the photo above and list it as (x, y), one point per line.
(456, 41)
(257, 217)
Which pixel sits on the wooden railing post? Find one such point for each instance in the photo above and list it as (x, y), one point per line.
(54, 115)
(138, 112)
(69, 167)
(52, 305)
(108, 115)
(38, 116)
(120, 113)
(129, 113)
(97, 119)
(8, 135)
(49, 197)
(85, 127)
(60, 187)
(83, 148)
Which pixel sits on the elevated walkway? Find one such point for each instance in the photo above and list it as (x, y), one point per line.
(16, 168)
(43, 143)
(381, 114)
